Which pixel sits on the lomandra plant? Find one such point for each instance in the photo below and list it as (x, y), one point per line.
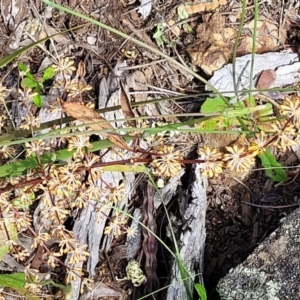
(65, 180)
(72, 185)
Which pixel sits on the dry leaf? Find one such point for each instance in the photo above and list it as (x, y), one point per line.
(80, 73)
(126, 107)
(266, 79)
(87, 115)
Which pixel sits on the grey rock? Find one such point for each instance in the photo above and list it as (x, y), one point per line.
(272, 271)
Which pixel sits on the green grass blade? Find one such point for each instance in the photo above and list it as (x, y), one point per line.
(236, 43)
(253, 45)
(19, 167)
(201, 291)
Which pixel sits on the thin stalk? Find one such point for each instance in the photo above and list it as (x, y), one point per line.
(150, 130)
(242, 21)
(253, 46)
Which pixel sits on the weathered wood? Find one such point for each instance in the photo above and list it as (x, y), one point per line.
(192, 240)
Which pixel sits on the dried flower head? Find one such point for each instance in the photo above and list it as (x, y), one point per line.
(117, 194)
(132, 231)
(291, 108)
(53, 259)
(78, 254)
(64, 67)
(116, 224)
(73, 274)
(63, 85)
(4, 92)
(21, 255)
(56, 186)
(79, 143)
(55, 212)
(284, 133)
(94, 173)
(213, 164)
(36, 147)
(40, 239)
(27, 94)
(168, 163)
(22, 220)
(7, 152)
(238, 159)
(30, 122)
(258, 143)
(78, 88)
(88, 283)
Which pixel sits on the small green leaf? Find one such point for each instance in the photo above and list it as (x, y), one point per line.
(274, 169)
(15, 280)
(231, 112)
(22, 67)
(213, 105)
(29, 83)
(188, 28)
(48, 74)
(182, 13)
(19, 167)
(267, 111)
(158, 34)
(210, 124)
(201, 291)
(3, 250)
(37, 100)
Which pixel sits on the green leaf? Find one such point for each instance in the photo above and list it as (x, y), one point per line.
(182, 13)
(19, 167)
(15, 280)
(48, 74)
(37, 100)
(210, 124)
(29, 75)
(267, 111)
(231, 112)
(213, 105)
(188, 28)
(4, 249)
(22, 67)
(274, 169)
(158, 34)
(201, 291)
(29, 83)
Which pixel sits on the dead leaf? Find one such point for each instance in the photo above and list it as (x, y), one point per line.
(87, 115)
(266, 79)
(80, 73)
(126, 106)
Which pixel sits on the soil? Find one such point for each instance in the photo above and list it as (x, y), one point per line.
(241, 212)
